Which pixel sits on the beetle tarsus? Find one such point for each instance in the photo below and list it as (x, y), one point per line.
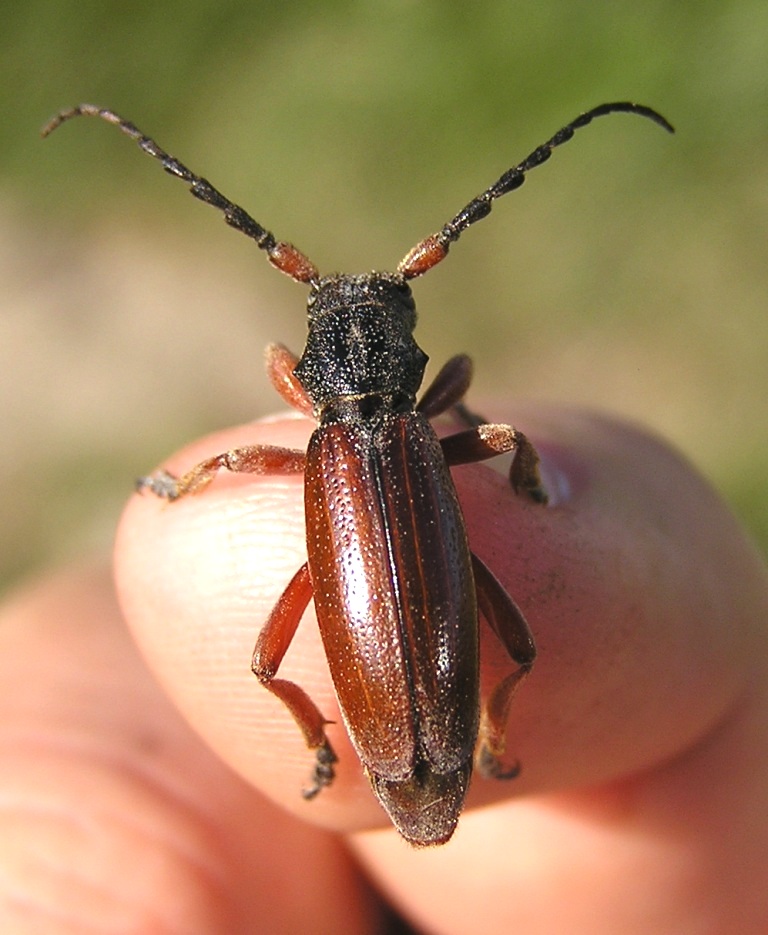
(162, 484)
(491, 767)
(323, 774)
(524, 474)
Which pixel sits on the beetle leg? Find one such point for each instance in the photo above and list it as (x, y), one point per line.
(447, 391)
(490, 439)
(448, 387)
(483, 439)
(250, 459)
(280, 365)
(271, 646)
(465, 415)
(508, 623)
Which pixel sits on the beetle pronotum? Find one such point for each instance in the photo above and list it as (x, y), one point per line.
(396, 588)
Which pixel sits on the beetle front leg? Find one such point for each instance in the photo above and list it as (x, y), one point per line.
(448, 388)
(250, 459)
(490, 439)
(508, 623)
(271, 646)
(447, 391)
(281, 363)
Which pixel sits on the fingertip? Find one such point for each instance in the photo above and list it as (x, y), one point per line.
(619, 578)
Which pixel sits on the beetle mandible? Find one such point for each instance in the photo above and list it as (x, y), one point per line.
(396, 588)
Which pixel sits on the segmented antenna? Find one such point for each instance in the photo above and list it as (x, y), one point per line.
(284, 256)
(434, 248)
(291, 261)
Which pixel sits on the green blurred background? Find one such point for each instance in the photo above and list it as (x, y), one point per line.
(629, 273)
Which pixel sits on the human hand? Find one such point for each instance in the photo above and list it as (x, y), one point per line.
(641, 732)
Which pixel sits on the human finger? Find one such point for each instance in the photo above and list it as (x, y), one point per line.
(609, 577)
(116, 816)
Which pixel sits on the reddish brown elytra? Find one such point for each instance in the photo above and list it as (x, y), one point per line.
(384, 523)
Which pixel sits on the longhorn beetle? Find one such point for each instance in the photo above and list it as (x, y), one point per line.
(396, 588)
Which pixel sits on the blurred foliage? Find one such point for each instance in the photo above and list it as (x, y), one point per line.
(630, 272)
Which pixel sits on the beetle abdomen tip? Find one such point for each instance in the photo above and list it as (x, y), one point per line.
(424, 808)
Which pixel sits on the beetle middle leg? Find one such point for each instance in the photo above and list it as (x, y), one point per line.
(271, 646)
(483, 439)
(280, 363)
(508, 623)
(490, 439)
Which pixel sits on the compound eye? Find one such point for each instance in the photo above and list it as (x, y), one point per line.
(404, 290)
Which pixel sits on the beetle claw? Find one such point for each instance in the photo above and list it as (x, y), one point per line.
(490, 766)
(323, 773)
(162, 484)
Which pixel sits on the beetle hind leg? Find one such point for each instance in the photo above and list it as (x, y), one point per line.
(271, 646)
(493, 727)
(508, 623)
(323, 773)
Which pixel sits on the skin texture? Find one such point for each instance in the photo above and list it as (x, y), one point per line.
(642, 802)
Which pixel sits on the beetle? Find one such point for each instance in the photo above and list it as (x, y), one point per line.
(397, 590)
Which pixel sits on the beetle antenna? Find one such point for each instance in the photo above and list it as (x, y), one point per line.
(434, 248)
(284, 256)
